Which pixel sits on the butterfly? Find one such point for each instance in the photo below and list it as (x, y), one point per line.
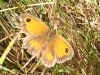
(41, 42)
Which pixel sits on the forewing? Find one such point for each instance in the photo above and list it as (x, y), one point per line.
(63, 49)
(32, 26)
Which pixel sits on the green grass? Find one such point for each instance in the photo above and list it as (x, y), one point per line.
(77, 21)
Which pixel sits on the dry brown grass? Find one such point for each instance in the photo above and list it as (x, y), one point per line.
(77, 21)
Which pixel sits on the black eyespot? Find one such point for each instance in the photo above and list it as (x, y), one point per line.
(28, 19)
(66, 50)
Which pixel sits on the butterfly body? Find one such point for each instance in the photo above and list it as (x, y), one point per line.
(43, 43)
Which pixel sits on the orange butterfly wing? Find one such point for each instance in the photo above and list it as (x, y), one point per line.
(48, 55)
(32, 26)
(41, 42)
(36, 32)
(34, 45)
(63, 49)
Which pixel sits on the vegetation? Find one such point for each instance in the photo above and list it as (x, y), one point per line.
(77, 20)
